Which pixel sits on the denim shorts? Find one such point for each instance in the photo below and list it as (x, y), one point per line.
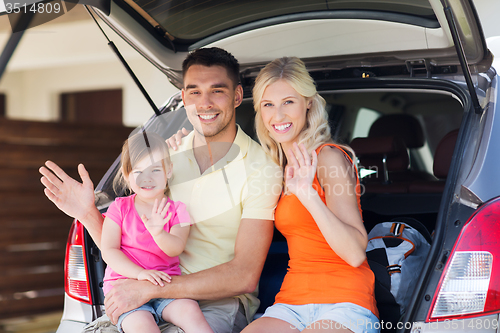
(155, 306)
(343, 315)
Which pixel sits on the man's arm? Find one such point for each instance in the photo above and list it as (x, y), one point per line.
(73, 198)
(236, 277)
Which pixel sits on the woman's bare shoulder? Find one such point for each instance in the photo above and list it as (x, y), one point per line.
(333, 156)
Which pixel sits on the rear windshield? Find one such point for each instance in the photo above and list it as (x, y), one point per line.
(190, 21)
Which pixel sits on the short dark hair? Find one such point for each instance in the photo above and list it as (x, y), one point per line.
(214, 56)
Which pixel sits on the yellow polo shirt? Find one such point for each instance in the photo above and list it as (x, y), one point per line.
(244, 184)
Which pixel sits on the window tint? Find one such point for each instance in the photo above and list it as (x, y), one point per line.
(364, 121)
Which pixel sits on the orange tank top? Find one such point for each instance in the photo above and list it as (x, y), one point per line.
(316, 274)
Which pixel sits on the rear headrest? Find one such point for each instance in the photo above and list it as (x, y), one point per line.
(371, 151)
(443, 154)
(406, 126)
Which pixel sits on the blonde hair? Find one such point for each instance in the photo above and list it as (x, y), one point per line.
(316, 131)
(135, 149)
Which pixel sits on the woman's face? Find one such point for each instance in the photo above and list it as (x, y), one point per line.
(283, 112)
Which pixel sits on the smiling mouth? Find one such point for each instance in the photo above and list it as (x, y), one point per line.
(148, 187)
(208, 116)
(281, 128)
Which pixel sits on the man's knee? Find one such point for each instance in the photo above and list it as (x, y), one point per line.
(224, 316)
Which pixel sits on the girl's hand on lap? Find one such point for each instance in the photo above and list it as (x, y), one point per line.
(155, 277)
(300, 172)
(156, 222)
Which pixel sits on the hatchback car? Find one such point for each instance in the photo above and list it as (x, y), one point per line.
(410, 83)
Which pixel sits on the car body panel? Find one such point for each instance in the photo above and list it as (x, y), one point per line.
(70, 326)
(76, 311)
(483, 181)
(451, 217)
(486, 324)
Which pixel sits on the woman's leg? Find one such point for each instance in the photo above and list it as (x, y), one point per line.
(271, 325)
(186, 314)
(140, 321)
(343, 318)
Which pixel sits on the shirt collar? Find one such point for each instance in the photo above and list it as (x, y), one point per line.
(237, 151)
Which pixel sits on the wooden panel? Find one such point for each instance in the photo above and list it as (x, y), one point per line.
(43, 242)
(27, 203)
(23, 179)
(26, 306)
(34, 232)
(13, 281)
(26, 222)
(14, 155)
(92, 107)
(17, 259)
(41, 323)
(50, 134)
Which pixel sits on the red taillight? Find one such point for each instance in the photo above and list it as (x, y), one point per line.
(75, 269)
(470, 284)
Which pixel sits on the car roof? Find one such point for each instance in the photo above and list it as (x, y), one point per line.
(337, 34)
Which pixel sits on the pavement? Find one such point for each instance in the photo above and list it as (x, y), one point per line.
(42, 323)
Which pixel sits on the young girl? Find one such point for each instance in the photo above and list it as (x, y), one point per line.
(144, 233)
(329, 286)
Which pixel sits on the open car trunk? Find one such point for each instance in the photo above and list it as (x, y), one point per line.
(414, 192)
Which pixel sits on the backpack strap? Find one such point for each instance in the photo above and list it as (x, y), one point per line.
(397, 229)
(393, 269)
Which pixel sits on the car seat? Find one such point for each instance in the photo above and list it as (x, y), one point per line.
(405, 126)
(442, 162)
(408, 128)
(387, 157)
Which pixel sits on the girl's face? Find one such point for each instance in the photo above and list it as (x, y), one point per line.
(148, 178)
(283, 111)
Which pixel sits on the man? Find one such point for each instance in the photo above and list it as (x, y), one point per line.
(227, 182)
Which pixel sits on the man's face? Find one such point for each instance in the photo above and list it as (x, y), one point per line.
(210, 99)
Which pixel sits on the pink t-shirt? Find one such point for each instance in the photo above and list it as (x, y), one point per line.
(137, 243)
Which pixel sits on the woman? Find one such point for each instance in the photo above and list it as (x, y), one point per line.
(329, 286)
